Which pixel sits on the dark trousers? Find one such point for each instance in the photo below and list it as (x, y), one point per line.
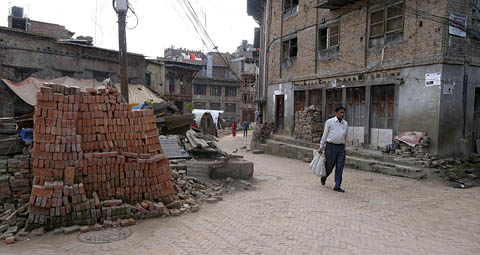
(335, 156)
(245, 132)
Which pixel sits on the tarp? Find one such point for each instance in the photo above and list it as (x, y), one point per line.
(138, 107)
(199, 113)
(411, 138)
(27, 89)
(139, 94)
(26, 135)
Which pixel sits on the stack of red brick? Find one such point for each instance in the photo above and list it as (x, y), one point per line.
(93, 140)
(19, 168)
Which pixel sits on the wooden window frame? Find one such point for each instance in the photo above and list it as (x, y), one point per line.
(288, 45)
(231, 105)
(196, 92)
(385, 21)
(228, 91)
(330, 49)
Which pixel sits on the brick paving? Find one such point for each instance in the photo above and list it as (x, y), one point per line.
(289, 212)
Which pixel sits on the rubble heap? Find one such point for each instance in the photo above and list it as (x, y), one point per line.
(420, 151)
(88, 148)
(263, 131)
(308, 125)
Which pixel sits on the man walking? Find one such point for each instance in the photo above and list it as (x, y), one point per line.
(245, 125)
(333, 142)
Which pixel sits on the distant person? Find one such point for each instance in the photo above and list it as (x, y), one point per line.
(234, 129)
(245, 125)
(333, 143)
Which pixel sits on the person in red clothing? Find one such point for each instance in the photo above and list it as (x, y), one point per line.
(194, 125)
(234, 129)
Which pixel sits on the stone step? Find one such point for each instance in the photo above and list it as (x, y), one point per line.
(385, 168)
(275, 147)
(354, 151)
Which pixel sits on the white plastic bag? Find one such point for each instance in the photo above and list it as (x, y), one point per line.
(318, 165)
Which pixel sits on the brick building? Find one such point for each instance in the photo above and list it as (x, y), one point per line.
(172, 80)
(17, 20)
(215, 86)
(397, 66)
(26, 54)
(244, 63)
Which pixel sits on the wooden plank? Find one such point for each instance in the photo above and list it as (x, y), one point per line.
(177, 121)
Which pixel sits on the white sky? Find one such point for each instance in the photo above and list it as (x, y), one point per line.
(162, 23)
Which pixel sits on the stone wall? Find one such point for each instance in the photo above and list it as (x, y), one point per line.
(90, 148)
(308, 125)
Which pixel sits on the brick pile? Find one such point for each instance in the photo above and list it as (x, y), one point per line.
(5, 191)
(90, 145)
(418, 152)
(308, 125)
(263, 131)
(16, 178)
(21, 176)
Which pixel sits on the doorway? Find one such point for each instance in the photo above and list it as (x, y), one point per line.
(383, 108)
(279, 113)
(356, 115)
(476, 122)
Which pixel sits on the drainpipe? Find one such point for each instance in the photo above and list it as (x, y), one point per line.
(265, 49)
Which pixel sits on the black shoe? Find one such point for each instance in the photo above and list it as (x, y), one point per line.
(323, 180)
(339, 189)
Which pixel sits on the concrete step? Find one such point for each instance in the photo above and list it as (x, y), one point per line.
(354, 151)
(385, 168)
(295, 151)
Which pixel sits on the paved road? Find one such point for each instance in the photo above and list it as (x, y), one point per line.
(291, 213)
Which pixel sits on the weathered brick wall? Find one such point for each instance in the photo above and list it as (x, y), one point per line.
(45, 58)
(50, 29)
(11, 105)
(90, 147)
(425, 39)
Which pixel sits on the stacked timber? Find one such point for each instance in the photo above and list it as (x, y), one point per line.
(202, 145)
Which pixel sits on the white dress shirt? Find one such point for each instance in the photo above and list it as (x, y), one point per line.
(334, 132)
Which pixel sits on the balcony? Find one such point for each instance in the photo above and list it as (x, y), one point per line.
(334, 4)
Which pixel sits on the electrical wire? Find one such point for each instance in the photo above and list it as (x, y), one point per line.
(130, 7)
(203, 32)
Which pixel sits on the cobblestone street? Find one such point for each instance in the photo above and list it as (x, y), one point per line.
(289, 212)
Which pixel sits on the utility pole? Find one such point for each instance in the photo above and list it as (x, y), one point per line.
(122, 9)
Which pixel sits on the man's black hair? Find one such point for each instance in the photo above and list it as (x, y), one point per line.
(338, 108)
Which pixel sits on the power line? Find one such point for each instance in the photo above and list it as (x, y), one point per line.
(187, 5)
(191, 21)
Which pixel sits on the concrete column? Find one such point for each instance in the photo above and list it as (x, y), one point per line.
(367, 114)
(324, 105)
(307, 98)
(469, 123)
(344, 97)
(395, 109)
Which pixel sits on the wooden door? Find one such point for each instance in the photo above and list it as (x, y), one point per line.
(334, 99)
(279, 113)
(476, 122)
(315, 98)
(299, 101)
(355, 115)
(382, 115)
